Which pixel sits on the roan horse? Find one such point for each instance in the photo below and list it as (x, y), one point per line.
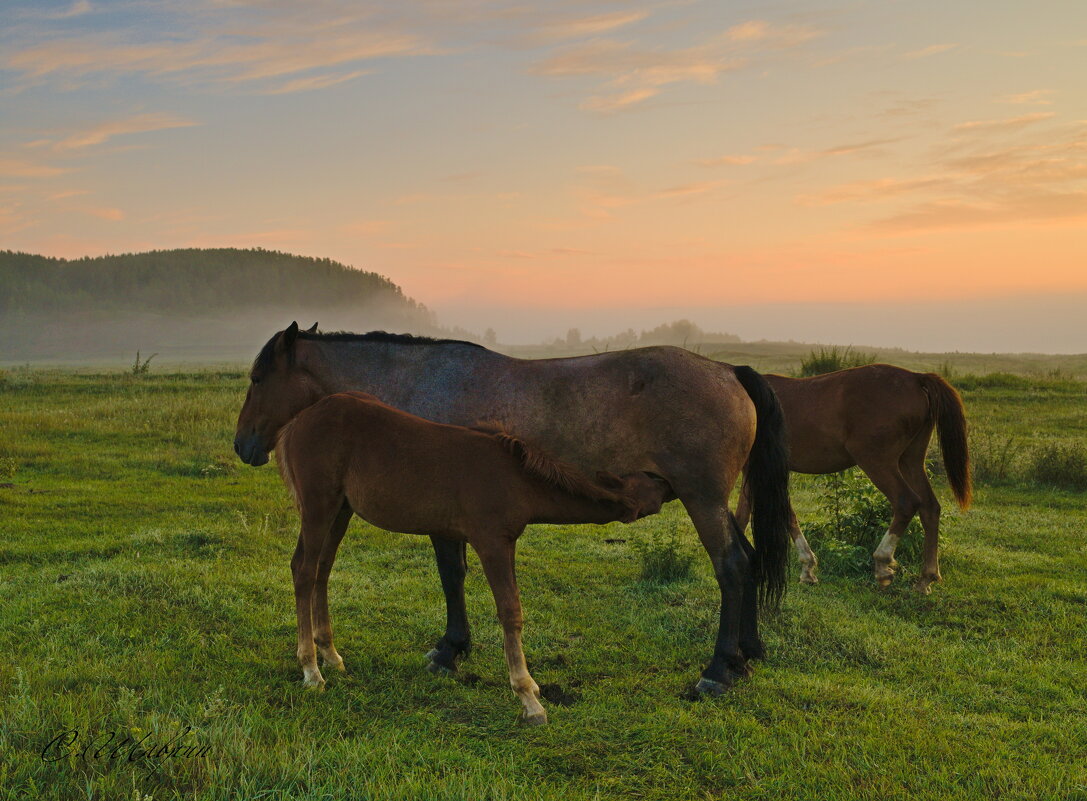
(350, 453)
(664, 411)
(880, 418)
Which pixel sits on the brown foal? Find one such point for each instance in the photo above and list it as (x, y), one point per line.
(880, 418)
(351, 454)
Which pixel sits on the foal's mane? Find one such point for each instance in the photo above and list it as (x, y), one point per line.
(543, 466)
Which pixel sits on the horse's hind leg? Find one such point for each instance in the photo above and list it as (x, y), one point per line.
(904, 502)
(496, 553)
(804, 553)
(451, 556)
(322, 621)
(732, 569)
(913, 468)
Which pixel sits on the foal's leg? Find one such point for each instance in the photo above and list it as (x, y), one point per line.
(732, 570)
(808, 562)
(496, 553)
(315, 530)
(913, 468)
(904, 501)
(451, 556)
(322, 622)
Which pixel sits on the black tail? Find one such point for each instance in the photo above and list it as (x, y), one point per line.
(768, 479)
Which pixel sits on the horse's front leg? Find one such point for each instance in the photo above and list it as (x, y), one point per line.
(451, 556)
(496, 553)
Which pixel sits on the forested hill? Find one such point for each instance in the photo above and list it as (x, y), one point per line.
(192, 281)
(186, 305)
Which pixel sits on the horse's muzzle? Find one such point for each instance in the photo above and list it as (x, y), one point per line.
(249, 450)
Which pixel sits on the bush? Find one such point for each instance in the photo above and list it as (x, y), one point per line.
(665, 559)
(994, 457)
(827, 360)
(1060, 464)
(856, 518)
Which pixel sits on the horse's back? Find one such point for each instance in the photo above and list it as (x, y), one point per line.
(830, 416)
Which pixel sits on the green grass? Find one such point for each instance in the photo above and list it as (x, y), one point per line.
(144, 586)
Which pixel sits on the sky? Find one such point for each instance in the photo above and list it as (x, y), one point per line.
(882, 173)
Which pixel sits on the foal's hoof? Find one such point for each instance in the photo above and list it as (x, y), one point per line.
(808, 578)
(316, 685)
(537, 719)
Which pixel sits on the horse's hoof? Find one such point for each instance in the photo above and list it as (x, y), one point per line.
(439, 669)
(706, 688)
(537, 719)
(316, 685)
(337, 666)
(809, 578)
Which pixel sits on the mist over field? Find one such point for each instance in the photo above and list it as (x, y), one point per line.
(221, 305)
(1034, 323)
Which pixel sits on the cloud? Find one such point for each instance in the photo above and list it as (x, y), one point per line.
(931, 50)
(229, 44)
(141, 123)
(1013, 123)
(1037, 97)
(878, 189)
(315, 82)
(632, 74)
(732, 161)
(799, 156)
(587, 26)
(27, 169)
(104, 213)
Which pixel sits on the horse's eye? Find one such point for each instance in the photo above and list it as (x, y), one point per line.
(255, 380)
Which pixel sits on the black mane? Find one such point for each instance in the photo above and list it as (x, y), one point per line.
(382, 336)
(266, 357)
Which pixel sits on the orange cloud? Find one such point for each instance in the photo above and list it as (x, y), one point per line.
(141, 123)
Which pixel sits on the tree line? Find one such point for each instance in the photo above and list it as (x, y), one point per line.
(192, 281)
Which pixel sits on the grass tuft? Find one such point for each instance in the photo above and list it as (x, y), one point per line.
(829, 360)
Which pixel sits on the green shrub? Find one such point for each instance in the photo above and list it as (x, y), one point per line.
(664, 557)
(994, 458)
(1059, 464)
(827, 360)
(856, 516)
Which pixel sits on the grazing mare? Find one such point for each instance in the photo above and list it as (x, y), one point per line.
(880, 418)
(350, 453)
(664, 411)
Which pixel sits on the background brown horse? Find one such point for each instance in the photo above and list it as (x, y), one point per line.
(879, 418)
(664, 411)
(349, 453)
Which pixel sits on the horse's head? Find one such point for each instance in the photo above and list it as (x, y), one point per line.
(641, 494)
(280, 387)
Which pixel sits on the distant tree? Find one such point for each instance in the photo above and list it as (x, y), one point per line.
(573, 338)
(490, 338)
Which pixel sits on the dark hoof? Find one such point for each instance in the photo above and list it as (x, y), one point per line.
(438, 667)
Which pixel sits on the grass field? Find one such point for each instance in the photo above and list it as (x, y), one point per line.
(145, 592)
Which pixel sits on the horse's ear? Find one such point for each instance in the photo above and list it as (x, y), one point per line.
(312, 329)
(287, 338)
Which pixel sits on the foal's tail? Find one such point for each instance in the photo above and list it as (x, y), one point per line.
(947, 410)
(768, 480)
